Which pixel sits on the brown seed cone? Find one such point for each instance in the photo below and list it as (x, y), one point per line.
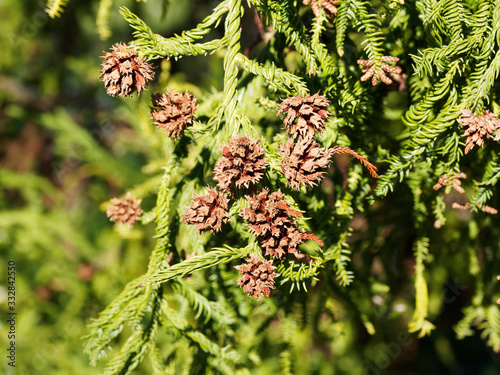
(477, 128)
(123, 72)
(125, 210)
(305, 115)
(304, 163)
(242, 163)
(257, 276)
(175, 113)
(268, 217)
(207, 211)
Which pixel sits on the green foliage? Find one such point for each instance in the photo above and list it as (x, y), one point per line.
(391, 246)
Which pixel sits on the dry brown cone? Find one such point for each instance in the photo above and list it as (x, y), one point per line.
(268, 217)
(330, 7)
(123, 72)
(175, 112)
(477, 128)
(378, 71)
(456, 182)
(257, 276)
(242, 163)
(207, 211)
(125, 210)
(304, 162)
(305, 115)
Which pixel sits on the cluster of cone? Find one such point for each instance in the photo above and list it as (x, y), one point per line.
(241, 166)
(268, 215)
(303, 161)
(124, 73)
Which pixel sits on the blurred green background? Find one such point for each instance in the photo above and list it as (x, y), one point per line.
(66, 148)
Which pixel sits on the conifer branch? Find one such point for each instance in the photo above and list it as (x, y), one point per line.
(491, 327)
(138, 344)
(210, 259)
(346, 13)
(127, 306)
(485, 188)
(297, 274)
(419, 322)
(284, 19)
(155, 46)
(370, 25)
(275, 77)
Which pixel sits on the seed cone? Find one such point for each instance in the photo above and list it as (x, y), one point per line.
(242, 163)
(175, 112)
(268, 217)
(207, 211)
(257, 276)
(304, 162)
(123, 72)
(477, 128)
(305, 115)
(125, 210)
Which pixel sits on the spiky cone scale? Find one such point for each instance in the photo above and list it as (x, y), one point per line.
(173, 112)
(126, 210)
(304, 162)
(305, 115)
(268, 218)
(124, 72)
(257, 276)
(479, 127)
(242, 164)
(209, 211)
